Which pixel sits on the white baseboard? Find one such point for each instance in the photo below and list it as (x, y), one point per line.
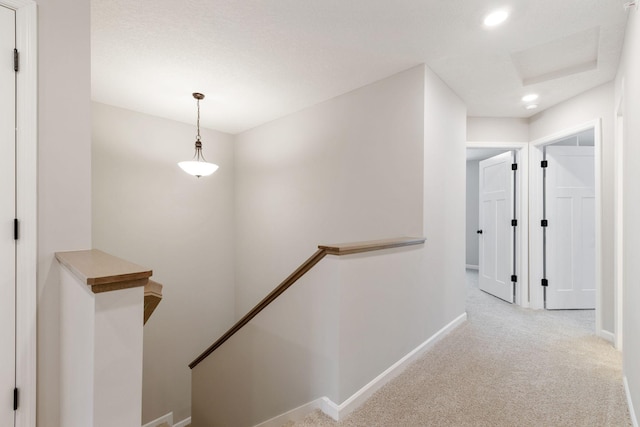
(295, 415)
(473, 267)
(632, 412)
(183, 423)
(340, 411)
(168, 419)
(331, 408)
(163, 419)
(609, 336)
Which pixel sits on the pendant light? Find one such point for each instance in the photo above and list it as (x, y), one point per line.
(198, 166)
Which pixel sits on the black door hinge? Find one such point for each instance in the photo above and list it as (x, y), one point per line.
(16, 60)
(514, 166)
(545, 282)
(15, 399)
(15, 228)
(514, 278)
(544, 223)
(544, 164)
(514, 222)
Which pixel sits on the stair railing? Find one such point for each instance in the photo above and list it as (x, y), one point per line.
(323, 250)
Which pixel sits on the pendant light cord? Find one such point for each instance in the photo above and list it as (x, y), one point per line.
(198, 121)
(199, 156)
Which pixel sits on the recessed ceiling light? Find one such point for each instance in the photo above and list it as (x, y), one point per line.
(496, 18)
(530, 97)
(531, 106)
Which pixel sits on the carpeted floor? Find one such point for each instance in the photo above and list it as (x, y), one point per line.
(506, 366)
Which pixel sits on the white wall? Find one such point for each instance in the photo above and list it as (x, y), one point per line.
(433, 292)
(368, 164)
(101, 352)
(387, 308)
(472, 213)
(444, 200)
(147, 210)
(593, 104)
(77, 326)
(628, 89)
(64, 173)
(497, 129)
(348, 169)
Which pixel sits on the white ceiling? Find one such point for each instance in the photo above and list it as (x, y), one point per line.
(257, 60)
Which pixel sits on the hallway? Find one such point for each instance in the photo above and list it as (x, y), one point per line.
(506, 366)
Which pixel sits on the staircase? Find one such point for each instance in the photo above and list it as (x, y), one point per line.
(323, 343)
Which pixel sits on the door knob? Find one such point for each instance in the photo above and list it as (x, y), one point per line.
(479, 231)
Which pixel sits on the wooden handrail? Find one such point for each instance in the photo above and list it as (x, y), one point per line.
(306, 266)
(103, 272)
(152, 297)
(323, 250)
(373, 245)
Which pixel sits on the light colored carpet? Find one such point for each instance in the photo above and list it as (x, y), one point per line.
(506, 366)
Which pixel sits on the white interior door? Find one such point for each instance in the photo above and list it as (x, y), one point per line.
(496, 238)
(7, 214)
(571, 230)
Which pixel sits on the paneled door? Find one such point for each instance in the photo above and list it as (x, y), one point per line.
(496, 233)
(571, 230)
(7, 215)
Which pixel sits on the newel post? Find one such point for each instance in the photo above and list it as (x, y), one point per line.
(101, 319)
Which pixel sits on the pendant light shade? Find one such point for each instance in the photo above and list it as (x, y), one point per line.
(198, 166)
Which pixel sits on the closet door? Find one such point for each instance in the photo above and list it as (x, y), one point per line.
(571, 233)
(496, 233)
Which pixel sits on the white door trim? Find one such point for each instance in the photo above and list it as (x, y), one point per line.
(26, 206)
(536, 213)
(522, 203)
(618, 271)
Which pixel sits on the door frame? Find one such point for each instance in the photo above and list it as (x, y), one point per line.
(618, 270)
(26, 206)
(536, 248)
(522, 202)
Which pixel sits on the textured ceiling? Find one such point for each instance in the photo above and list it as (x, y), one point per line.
(257, 60)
